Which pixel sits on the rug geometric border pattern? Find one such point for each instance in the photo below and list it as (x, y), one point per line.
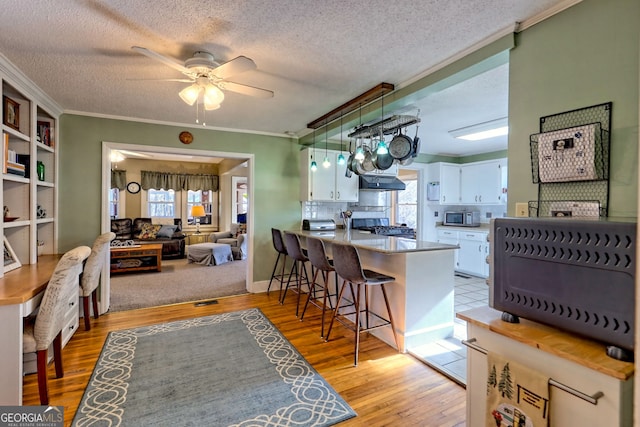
(316, 402)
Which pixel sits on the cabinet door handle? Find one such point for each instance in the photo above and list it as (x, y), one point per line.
(593, 399)
(331, 194)
(480, 248)
(338, 195)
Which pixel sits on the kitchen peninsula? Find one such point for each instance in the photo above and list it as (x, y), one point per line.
(421, 298)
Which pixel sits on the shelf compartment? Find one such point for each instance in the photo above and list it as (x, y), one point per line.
(24, 109)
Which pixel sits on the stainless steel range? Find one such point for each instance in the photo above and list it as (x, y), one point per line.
(381, 226)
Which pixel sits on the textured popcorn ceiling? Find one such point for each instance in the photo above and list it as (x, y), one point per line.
(315, 55)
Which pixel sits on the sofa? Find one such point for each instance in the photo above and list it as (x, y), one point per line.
(236, 237)
(143, 231)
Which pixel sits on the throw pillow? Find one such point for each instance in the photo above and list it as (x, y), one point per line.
(149, 231)
(167, 231)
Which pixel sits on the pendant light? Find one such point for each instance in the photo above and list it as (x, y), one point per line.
(314, 165)
(382, 146)
(326, 163)
(341, 159)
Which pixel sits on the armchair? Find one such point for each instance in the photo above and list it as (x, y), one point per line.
(233, 238)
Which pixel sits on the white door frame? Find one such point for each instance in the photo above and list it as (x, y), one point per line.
(105, 292)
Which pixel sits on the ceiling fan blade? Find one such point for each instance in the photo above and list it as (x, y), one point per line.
(161, 58)
(246, 90)
(164, 80)
(237, 65)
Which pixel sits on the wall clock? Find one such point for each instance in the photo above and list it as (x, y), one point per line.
(133, 187)
(185, 137)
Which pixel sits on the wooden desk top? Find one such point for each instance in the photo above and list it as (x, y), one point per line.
(22, 284)
(583, 351)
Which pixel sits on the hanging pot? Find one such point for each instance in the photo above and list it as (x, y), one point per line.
(367, 164)
(400, 147)
(416, 146)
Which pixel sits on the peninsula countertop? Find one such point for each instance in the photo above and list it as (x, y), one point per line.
(376, 242)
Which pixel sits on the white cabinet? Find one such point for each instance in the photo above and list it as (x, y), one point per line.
(29, 182)
(447, 176)
(477, 183)
(471, 255)
(481, 182)
(326, 184)
(450, 237)
(614, 407)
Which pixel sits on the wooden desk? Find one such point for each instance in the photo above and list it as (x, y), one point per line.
(20, 293)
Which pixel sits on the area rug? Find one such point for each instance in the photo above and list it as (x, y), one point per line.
(233, 369)
(178, 282)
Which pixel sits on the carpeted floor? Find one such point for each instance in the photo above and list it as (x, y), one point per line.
(178, 282)
(233, 369)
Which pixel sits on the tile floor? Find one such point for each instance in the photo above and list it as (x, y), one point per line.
(450, 356)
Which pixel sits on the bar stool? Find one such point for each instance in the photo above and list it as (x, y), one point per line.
(346, 261)
(278, 245)
(318, 257)
(294, 250)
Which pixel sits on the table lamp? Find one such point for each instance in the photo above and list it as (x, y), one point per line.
(196, 213)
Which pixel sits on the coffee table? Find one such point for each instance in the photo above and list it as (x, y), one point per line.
(136, 258)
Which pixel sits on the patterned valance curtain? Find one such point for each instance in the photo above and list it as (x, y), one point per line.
(118, 179)
(178, 181)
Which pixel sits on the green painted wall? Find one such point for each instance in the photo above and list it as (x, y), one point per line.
(276, 177)
(583, 56)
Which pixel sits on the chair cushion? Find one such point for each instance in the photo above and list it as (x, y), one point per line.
(149, 231)
(228, 241)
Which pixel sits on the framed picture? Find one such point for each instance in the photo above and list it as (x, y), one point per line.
(11, 116)
(11, 261)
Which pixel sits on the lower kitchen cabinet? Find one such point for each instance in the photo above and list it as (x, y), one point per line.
(568, 360)
(471, 258)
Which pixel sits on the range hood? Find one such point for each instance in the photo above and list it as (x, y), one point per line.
(381, 183)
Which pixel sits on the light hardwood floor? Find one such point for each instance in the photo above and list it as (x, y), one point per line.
(386, 388)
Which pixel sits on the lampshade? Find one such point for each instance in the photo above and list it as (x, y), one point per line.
(359, 154)
(213, 97)
(326, 162)
(190, 94)
(314, 166)
(382, 148)
(197, 211)
(483, 130)
(341, 159)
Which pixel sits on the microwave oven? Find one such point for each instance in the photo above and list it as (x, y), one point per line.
(462, 219)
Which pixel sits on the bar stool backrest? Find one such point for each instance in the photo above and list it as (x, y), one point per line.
(317, 254)
(346, 261)
(292, 243)
(278, 243)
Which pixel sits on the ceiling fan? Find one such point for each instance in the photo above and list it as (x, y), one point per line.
(208, 77)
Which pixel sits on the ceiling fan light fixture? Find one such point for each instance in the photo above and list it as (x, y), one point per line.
(190, 94)
(213, 95)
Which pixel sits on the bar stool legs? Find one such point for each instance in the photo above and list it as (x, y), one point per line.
(347, 264)
(326, 297)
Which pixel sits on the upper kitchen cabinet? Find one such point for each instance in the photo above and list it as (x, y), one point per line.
(326, 184)
(481, 183)
(477, 183)
(446, 177)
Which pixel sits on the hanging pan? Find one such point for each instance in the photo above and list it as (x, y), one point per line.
(400, 147)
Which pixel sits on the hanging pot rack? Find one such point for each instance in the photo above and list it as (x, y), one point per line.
(386, 126)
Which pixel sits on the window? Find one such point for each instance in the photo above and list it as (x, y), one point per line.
(406, 203)
(114, 203)
(204, 198)
(161, 203)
